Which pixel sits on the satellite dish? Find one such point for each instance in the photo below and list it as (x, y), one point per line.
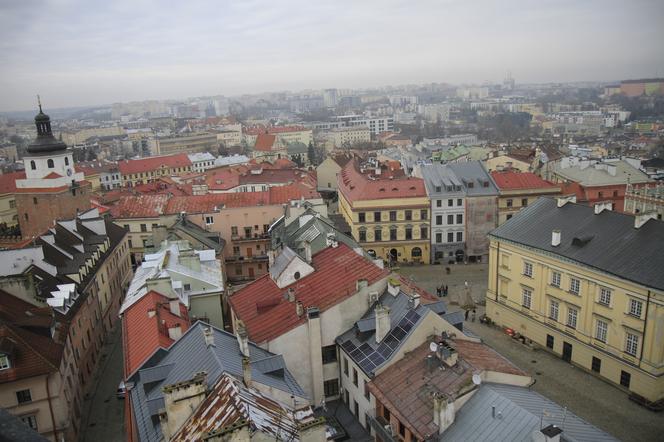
(477, 380)
(433, 347)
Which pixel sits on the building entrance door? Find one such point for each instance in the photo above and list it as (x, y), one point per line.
(567, 352)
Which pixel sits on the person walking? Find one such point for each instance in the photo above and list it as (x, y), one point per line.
(467, 311)
(473, 315)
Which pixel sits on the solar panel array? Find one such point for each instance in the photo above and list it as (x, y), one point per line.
(369, 358)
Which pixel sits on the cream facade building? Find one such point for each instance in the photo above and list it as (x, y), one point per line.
(587, 284)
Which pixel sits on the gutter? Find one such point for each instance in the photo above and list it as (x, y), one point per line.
(645, 324)
(50, 408)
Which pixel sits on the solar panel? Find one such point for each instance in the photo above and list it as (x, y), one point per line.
(356, 354)
(366, 349)
(406, 327)
(348, 346)
(399, 333)
(412, 316)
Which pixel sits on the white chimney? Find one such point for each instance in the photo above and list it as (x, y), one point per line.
(443, 412)
(242, 337)
(641, 218)
(555, 238)
(299, 309)
(416, 300)
(208, 334)
(151, 313)
(382, 322)
(307, 251)
(562, 200)
(174, 306)
(246, 371)
(611, 169)
(175, 332)
(601, 206)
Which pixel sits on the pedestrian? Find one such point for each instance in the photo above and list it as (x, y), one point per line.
(473, 315)
(467, 311)
(445, 291)
(438, 291)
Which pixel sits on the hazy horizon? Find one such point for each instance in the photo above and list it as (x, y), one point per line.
(94, 53)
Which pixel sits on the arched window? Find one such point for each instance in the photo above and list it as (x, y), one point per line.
(50, 163)
(33, 165)
(416, 252)
(66, 161)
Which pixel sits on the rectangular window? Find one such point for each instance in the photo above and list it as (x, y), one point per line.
(528, 269)
(450, 219)
(450, 236)
(377, 217)
(363, 236)
(631, 344)
(393, 215)
(362, 217)
(23, 396)
(30, 421)
(409, 215)
(402, 430)
(346, 366)
(555, 279)
(354, 377)
(604, 296)
(4, 362)
(187, 287)
(236, 250)
(331, 387)
(459, 236)
(439, 203)
(378, 235)
(424, 232)
(625, 378)
(209, 220)
(574, 286)
(439, 238)
(234, 230)
(409, 233)
(459, 218)
(572, 315)
(549, 342)
(450, 203)
(596, 365)
(554, 309)
(238, 270)
(126, 227)
(459, 202)
(635, 307)
(527, 297)
(393, 234)
(509, 203)
(144, 228)
(367, 394)
(601, 330)
(524, 202)
(439, 220)
(329, 354)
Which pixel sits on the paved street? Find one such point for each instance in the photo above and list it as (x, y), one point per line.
(587, 396)
(105, 422)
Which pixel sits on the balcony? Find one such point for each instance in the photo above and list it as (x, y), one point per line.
(254, 237)
(381, 427)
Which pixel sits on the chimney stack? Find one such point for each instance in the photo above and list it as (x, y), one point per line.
(299, 309)
(416, 300)
(443, 412)
(555, 238)
(246, 371)
(242, 337)
(641, 218)
(307, 251)
(174, 306)
(175, 332)
(208, 334)
(601, 206)
(382, 322)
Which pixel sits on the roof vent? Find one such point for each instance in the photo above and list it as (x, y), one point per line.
(562, 200)
(642, 218)
(555, 238)
(581, 241)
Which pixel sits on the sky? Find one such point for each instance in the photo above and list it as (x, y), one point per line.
(91, 52)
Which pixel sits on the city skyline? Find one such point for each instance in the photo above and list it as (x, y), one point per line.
(94, 53)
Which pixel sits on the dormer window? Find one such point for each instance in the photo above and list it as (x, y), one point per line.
(33, 165)
(50, 163)
(66, 161)
(4, 362)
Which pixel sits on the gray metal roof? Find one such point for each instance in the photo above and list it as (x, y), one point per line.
(281, 262)
(474, 172)
(441, 176)
(610, 242)
(360, 343)
(518, 414)
(190, 355)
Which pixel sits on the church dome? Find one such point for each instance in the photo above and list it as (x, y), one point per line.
(45, 143)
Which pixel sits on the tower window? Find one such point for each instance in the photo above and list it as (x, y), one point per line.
(50, 163)
(33, 165)
(66, 161)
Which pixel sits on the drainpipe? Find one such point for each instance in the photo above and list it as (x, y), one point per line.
(50, 408)
(497, 268)
(645, 324)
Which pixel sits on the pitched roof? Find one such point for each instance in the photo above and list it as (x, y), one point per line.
(596, 173)
(521, 414)
(145, 327)
(509, 180)
(230, 402)
(337, 270)
(607, 241)
(265, 142)
(8, 182)
(406, 387)
(357, 186)
(140, 206)
(153, 163)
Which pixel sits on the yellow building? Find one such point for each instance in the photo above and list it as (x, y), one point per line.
(388, 213)
(8, 212)
(588, 285)
(519, 190)
(187, 143)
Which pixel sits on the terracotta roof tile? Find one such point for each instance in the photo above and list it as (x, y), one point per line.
(510, 180)
(265, 142)
(153, 163)
(357, 186)
(334, 279)
(141, 206)
(8, 182)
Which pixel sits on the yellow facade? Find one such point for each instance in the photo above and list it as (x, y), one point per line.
(400, 215)
(510, 202)
(8, 212)
(613, 328)
(502, 162)
(134, 179)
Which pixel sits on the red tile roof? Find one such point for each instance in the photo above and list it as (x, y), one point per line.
(510, 180)
(153, 163)
(142, 335)
(53, 175)
(141, 206)
(8, 182)
(265, 142)
(283, 163)
(357, 186)
(334, 280)
(256, 130)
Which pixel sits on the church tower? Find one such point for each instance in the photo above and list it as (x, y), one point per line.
(51, 189)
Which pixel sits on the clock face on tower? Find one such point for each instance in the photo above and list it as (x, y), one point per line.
(68, 172)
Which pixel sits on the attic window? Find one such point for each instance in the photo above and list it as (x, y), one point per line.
(412, 187)
(352, 187)
(582, 240)
(485, 184)
(394, 189)
(382, 189)
(471, 185)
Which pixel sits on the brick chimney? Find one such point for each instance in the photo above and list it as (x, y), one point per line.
(242, 337)
(246, 371)
(179, 401)
(443, 412)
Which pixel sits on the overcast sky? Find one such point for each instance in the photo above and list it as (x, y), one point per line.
(94, 52)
